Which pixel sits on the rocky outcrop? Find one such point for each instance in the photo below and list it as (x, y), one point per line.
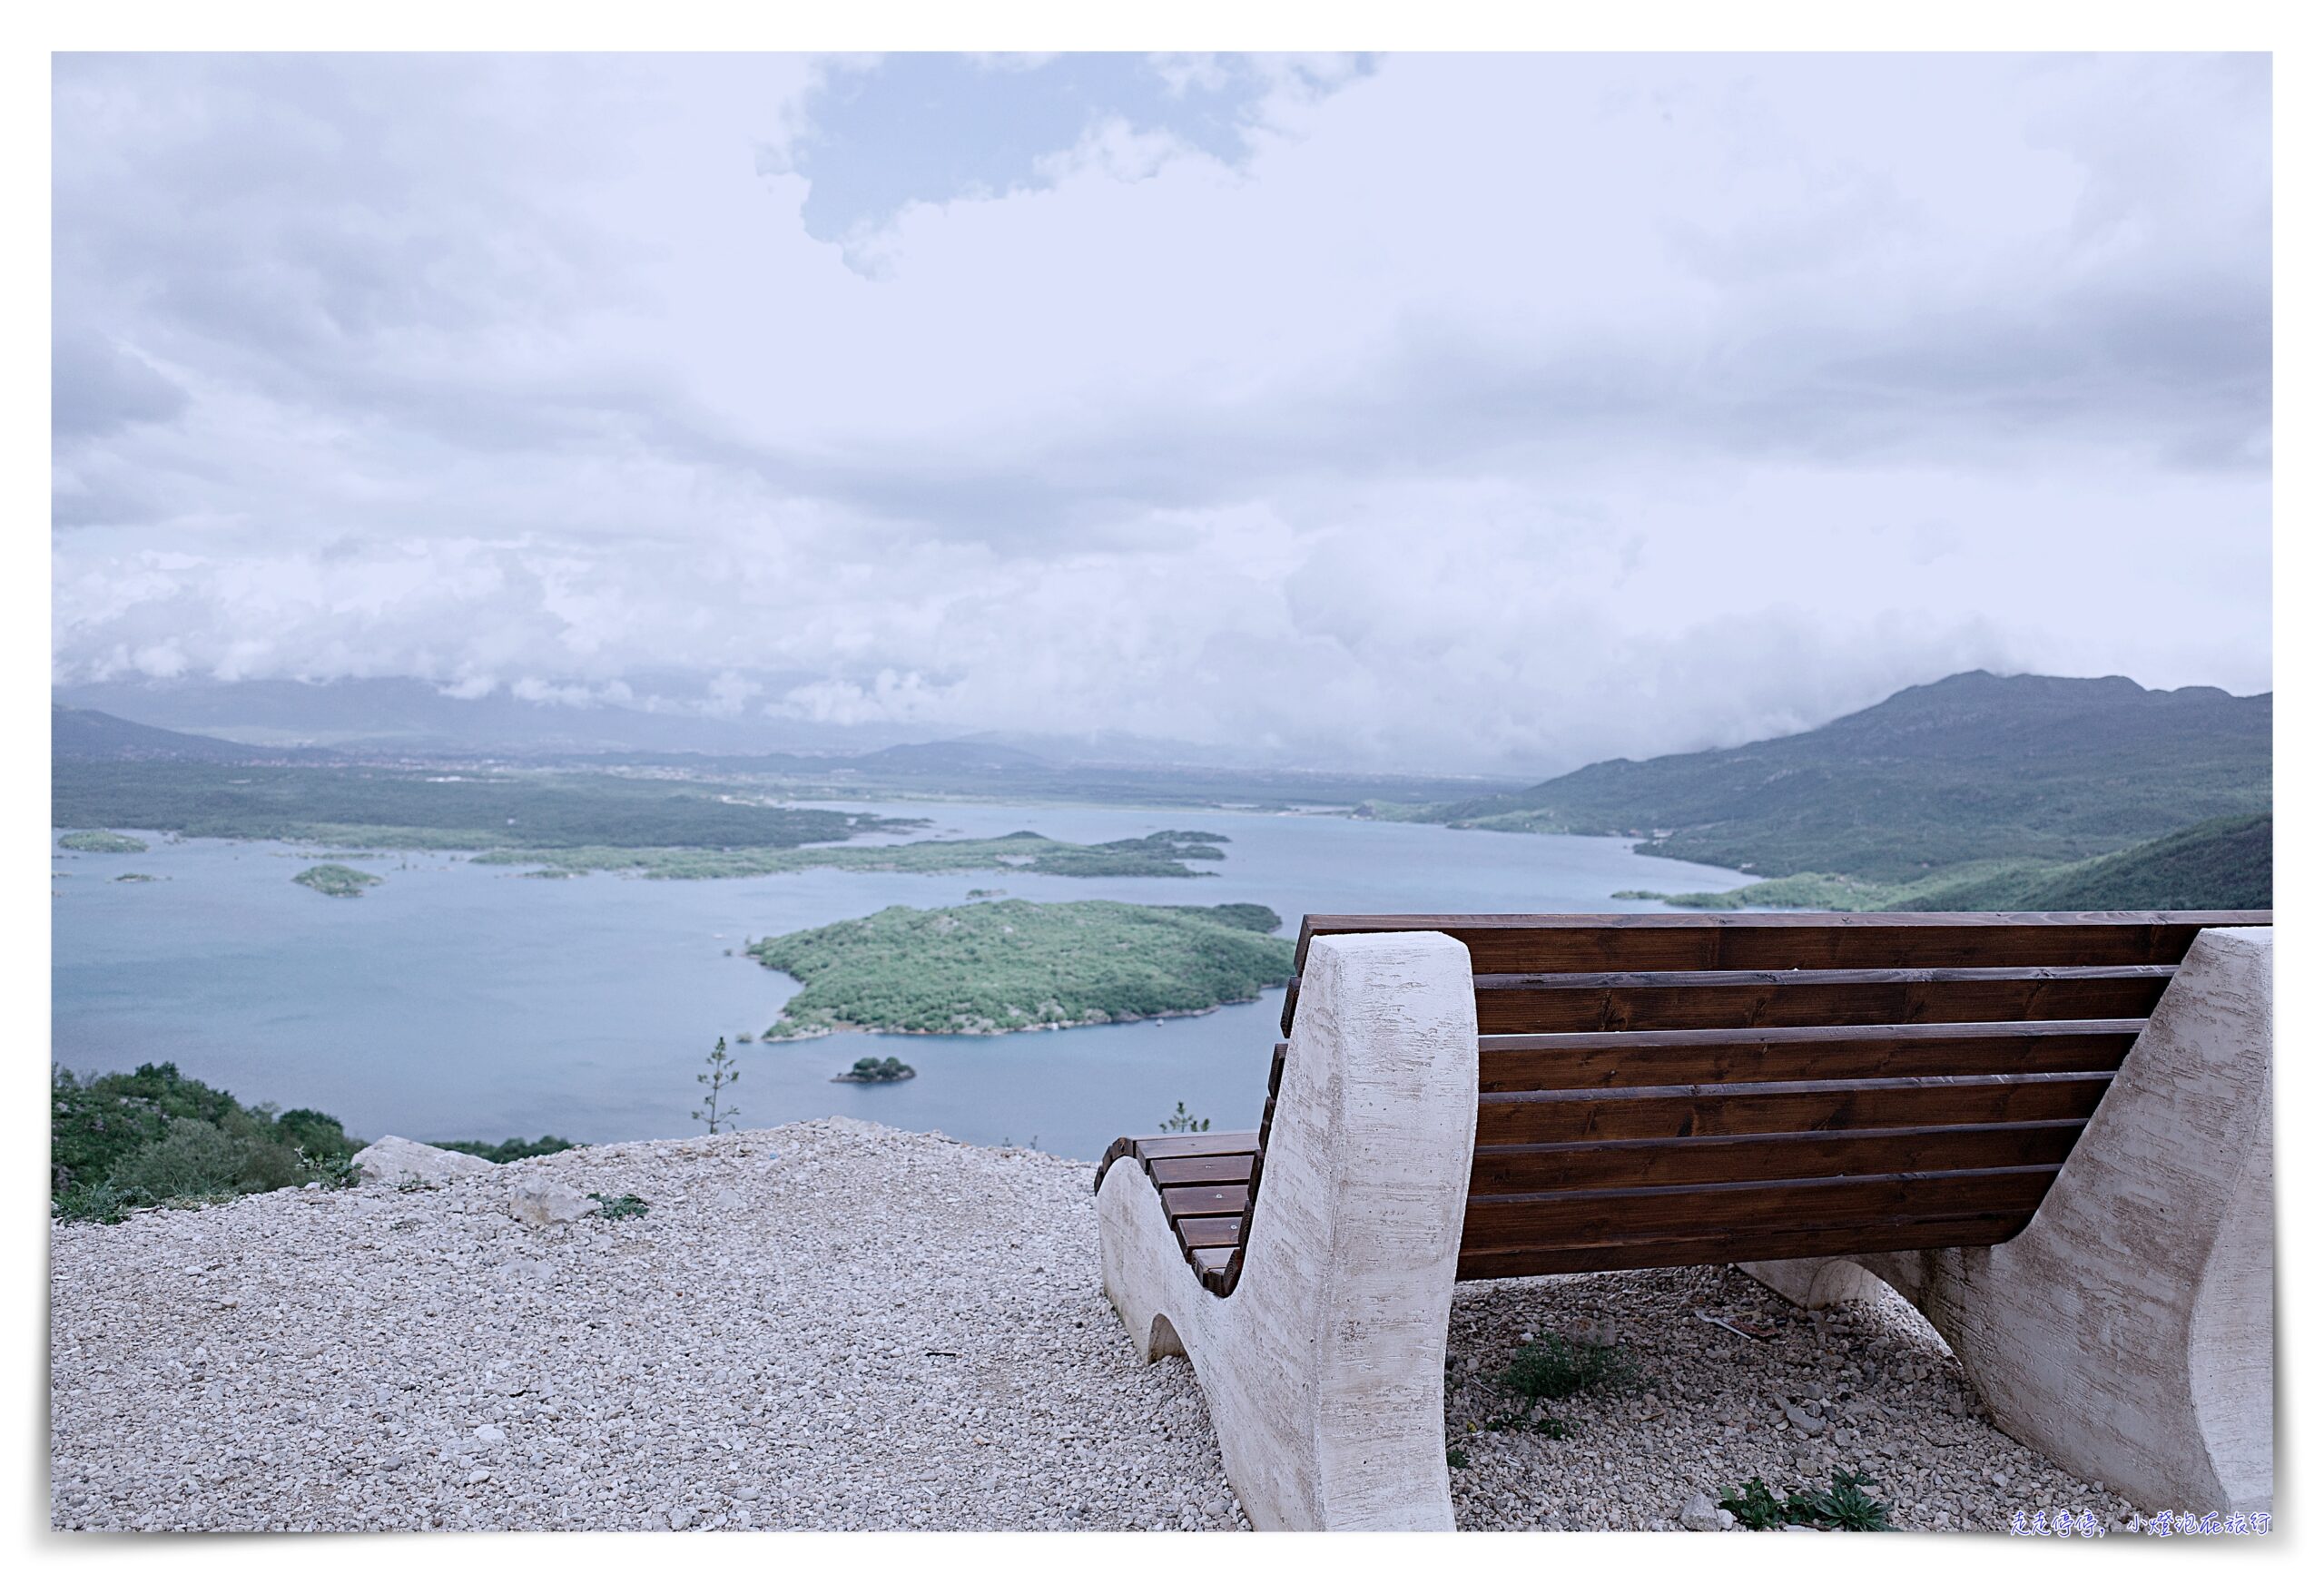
(397, 1160)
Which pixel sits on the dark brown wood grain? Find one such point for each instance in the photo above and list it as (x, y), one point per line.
(1728, 1247)
(1568, 1219)
(1667, 942)
(1513, 1062)
(1181, 1202)
(1213, 1231)
(1730, 1109)
(1592, 1002)
(1202, 1170)
(1179, 1145)
(1767, 1156)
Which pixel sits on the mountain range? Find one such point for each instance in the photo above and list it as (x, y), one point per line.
(1973, 768)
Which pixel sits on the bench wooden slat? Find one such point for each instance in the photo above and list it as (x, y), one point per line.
(1726, 1110)
(1202, 1170)
(1566, 1218)
(1211, 1232)
(1180, 1202)
(1584, 1002)
(1665, 941)
(1177, 1145)
(1869, 1236)
(1513, 1062)
(1764, 1156)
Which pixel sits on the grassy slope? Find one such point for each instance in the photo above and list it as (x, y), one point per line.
(998, 966)
(2222, 863)
(1974, 768)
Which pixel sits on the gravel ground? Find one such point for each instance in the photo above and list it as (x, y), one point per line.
(835, 1325)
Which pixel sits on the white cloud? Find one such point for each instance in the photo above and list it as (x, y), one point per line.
(1492, 413)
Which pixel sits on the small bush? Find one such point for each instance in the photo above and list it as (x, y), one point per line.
(195, 1159)
(1555, 1369)
(1455, 1457)
(1844, 1506)
(509, 1150)
(622, 1207)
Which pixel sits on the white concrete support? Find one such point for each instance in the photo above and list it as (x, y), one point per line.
(2128, 1333)
(1324, 1369)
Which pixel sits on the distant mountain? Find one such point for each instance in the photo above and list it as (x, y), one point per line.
(405, 715)
(1974, 767)
(90, 733)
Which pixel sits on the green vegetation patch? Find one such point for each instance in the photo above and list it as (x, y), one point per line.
(2224, 864)
(510, 1150)
(127, 1140)
(1846, 1506)
(1162, 856)
(101, 841)
(999, 967)
(382, 808)
(335, 880)
(870, 1069)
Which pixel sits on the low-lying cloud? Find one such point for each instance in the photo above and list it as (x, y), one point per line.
(1473, 413)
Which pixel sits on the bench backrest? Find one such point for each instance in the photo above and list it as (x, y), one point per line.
(1660, 1088)
(1686, 1088)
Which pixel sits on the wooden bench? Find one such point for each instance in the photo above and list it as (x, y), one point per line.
(1768, 1090)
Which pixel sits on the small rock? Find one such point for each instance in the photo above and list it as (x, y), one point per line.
(535, 1202)
(491, 1434)
(1701, 1515)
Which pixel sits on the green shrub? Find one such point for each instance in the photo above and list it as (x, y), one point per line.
(1844, 1506)
(1555, 1369)
(623, 1206)
(123, 1140)
(195, 1159)
(509, 1150)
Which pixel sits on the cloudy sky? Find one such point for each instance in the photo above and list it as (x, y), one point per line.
(1481, 413)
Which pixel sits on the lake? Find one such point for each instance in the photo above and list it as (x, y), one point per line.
(459, 1000)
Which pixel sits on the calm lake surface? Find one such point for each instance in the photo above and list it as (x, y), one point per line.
(463, 1001)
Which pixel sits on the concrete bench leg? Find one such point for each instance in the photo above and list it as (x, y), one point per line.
(1324, 1369)
(2128, 1333)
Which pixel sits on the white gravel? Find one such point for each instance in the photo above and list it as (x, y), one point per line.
(836, 1325)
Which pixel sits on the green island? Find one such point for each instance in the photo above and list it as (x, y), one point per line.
(1163, 855)
(1003, 966)
(869, 1070)
(135, 878)
(335, 880)
(101, 841)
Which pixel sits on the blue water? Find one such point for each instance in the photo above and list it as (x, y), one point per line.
(465, 1001)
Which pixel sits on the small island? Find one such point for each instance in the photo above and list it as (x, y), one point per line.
(868, 1070)
(101, 841)
(134, 879)
(1008, 966)
(335, 880)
